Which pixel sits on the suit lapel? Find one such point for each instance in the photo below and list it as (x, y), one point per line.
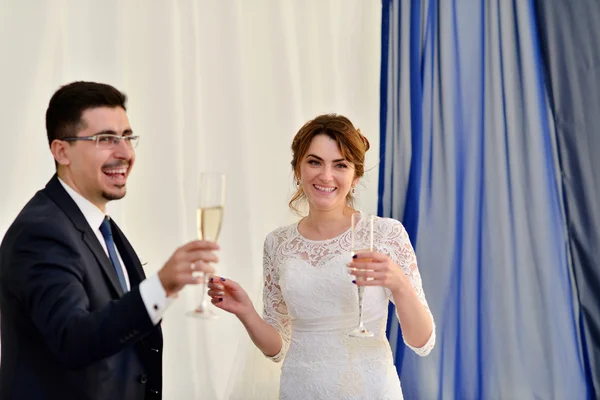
(91, 240)
(58, 194)
(130, 258)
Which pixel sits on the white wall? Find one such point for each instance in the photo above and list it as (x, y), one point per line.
(221, 85)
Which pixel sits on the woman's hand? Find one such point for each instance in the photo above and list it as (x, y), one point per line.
(375, 269)
(229, 296)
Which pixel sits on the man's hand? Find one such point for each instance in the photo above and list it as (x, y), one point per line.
(192, 257)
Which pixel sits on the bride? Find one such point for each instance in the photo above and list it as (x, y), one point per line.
(310, 297)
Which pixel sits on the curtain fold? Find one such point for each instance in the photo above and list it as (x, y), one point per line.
(469, 164)
(570, 37)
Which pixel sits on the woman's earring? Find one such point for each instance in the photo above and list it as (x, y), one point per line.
(353, 190)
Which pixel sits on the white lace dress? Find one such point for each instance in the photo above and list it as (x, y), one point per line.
(310, 299)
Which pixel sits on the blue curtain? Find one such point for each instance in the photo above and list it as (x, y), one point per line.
(570, 43)
(469, 165)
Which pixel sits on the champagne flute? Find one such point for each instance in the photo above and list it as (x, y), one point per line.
(209, 215)
(361, 241)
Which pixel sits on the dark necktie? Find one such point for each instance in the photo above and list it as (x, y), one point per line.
(112, 252)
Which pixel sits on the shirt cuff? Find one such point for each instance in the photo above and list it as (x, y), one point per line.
(155, 298)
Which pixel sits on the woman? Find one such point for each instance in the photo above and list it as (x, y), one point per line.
(310, 302)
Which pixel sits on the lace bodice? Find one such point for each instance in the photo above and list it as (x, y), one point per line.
(310, 300)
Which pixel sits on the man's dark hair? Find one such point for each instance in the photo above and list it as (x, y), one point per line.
(63, 117)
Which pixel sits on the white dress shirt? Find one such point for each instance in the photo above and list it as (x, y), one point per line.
(153, 294)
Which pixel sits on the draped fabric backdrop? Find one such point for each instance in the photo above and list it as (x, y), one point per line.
(213, 85)
(470, 165)
(570, 37)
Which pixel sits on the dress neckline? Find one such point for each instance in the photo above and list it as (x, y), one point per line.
(297, 231)
(322, 240)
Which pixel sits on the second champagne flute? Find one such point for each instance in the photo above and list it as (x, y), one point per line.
(361, 241)
(209, 216)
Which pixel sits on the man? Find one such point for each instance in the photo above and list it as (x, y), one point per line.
(79, 319)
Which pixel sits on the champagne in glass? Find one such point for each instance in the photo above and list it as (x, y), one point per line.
(209, 216)
(361, 241)
(209, 222)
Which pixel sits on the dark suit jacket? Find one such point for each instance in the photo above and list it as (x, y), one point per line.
(68, 331)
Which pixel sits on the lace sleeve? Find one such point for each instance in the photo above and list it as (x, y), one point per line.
(400, 250)
(275, 310)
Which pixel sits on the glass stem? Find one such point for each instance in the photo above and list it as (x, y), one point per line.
(360, 306)
(203, 303)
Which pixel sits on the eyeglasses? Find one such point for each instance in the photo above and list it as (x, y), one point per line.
(107, 140)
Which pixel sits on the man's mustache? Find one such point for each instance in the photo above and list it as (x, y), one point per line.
(118, 163)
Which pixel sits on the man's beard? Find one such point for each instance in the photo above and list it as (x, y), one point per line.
(114, 196)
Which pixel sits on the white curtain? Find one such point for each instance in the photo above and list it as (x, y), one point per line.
(212, 85)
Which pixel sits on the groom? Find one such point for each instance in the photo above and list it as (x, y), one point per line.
(80, 320)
